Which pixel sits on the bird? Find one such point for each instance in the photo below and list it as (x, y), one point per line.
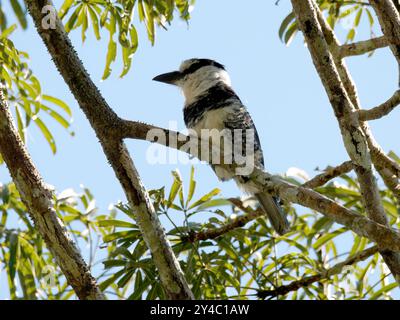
(211, 103)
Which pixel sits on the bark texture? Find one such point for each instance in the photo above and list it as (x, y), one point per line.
(384, 236)
(389, 20)
(343, 97)
(106, 124)
(39, 202)
(363, 150)
(361, 47)
(307, 281)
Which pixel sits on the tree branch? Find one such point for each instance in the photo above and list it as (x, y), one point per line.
(106, 125)
(378, 156)
(329, 174)
(323, 45)
(381, 110)
(384, 236)
(307, 281)
(362, 47)
(391, 181)
(213, 233)
(387, 168)
(389, 19)
(38, 200)
(319, 180)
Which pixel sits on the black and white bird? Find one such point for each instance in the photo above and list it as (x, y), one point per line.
(211, 103)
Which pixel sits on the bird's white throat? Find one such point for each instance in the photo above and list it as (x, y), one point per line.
(196, 84)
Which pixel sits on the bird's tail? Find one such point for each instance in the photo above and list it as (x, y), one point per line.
(274, 212)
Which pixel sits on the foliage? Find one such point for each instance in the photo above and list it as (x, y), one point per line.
(239, 264)
(19, 10)
(24, 92)
(116, 18)
(30, 268)
(347, 12)
(245, 261)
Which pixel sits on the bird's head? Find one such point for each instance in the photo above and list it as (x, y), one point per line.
(196, 76)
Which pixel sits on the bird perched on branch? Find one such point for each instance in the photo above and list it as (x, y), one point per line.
(212, 105)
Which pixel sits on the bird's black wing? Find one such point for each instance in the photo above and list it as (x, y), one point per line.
(240, 119)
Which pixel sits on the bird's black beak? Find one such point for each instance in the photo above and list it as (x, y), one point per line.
(170, 77)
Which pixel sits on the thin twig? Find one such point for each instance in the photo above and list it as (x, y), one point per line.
(362, 47)
(237, 222)
(307, 281)
(264, 182)
(329, 174)
(381, 110)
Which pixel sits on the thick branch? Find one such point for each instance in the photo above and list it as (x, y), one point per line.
(389, 19)
(385, 237)
(381, 110)
(329, 174)
(106, 125)
(38, 200)
(379, 158)
(391, 181)
(307, 281)
(342, 95)
(387, 168)
(214, 233)
(362, 47)
(319, 180)
(238, 222)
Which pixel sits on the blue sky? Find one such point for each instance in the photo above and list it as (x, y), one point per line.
(279, 85)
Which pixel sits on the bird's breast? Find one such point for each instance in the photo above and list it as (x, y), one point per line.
(211, 119)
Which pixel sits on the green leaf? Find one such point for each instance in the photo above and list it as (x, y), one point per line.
(383, 290)
(347, 12)
(58, 103)
(46, 133)
(290, 33)
(95, 22)
(214, 203)
(83, 20)
(5, 196)
(140, 286)
(358, 17)
(127, 61)
(326, 237)
(105, 284)
(351, 34)
(205, 198)
(122, 235)
(125, 279)
(3, 19)
(71, 23)
(370, 17)
(7, 32)
(56, 116)
(289, 18)
(111, 263)
(12, 261)
(134, 39)
(176, 186)
(20, 13)
(111, 55)
(394, 156)
(66, 6)
(115, 223)
(20, 124)
(192, 186)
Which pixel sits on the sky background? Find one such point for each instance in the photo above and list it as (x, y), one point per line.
(278, 84)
